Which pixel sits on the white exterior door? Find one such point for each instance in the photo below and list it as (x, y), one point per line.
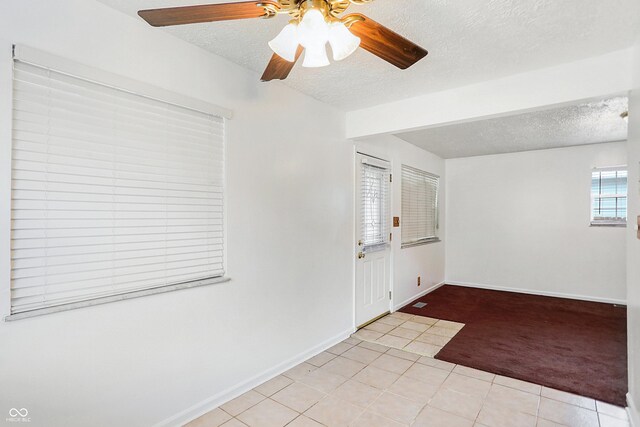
(372, 248)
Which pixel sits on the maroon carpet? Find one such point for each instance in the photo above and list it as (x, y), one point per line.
(575, 346)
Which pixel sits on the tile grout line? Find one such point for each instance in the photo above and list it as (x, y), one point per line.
(383, 391)
(440, 387)
(492, 382)
(386, 389)
(495, 375)
(348, 379)
(411, 318)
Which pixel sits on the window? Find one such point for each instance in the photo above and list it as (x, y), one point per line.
(113, 192)
(609, 196)
(419, 206)
(375, 204)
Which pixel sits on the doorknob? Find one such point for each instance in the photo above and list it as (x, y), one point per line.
(360, 255)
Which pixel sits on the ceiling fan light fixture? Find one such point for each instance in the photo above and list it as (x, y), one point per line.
(313, 29)
(286, 43)
(343, 42)
(313, 34)
(315, 56)
(314, 23)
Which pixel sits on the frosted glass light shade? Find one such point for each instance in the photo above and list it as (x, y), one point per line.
(285, 44)
(313, 29)
(315, 56)
(343, 42)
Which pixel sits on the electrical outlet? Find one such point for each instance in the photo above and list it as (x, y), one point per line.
(418, 280)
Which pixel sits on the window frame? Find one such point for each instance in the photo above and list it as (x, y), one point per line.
(593, 222)
(383, 178)
(425, 240)
(137, 87)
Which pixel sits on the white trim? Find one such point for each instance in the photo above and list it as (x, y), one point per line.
(388, 165)
(538, 292)
(43, 59)
(118, 297)
(354, 230)
(610, 168)
(421, 294)
(378, 163)
(421, 242)
(225, 199)
(224, 396)
(6, 117)
(634, 415)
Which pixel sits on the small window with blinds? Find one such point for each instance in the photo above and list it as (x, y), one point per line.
(609, 196)
(419, 220)
(113, 193)
(375, 205)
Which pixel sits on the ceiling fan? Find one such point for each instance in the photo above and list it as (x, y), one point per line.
(313, 24)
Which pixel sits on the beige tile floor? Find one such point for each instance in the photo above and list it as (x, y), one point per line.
(362, 384)
(417, 334)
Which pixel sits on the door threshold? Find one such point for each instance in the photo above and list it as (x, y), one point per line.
(373, 320)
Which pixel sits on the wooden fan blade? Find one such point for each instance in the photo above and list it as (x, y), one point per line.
(383, 42)
(279, 68)
(207, 13)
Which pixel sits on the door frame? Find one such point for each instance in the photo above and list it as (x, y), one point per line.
(376, 154)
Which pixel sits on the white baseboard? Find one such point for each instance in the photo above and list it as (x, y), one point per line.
(224, 396)
(537, 292)
(634, 415)
(426, 291)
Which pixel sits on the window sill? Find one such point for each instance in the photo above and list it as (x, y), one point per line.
(420, 243)
(114, 298)
(608, 225)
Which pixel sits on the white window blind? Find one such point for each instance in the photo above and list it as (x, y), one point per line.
(419, 206)
(609, 196)
(375, 205)
(112, 192)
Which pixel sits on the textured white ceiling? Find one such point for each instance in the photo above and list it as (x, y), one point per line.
(588, 123)
(468, 41)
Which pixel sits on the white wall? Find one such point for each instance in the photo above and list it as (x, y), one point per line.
(633, 249)
(290, 227)
(426, 261)
(521, 221)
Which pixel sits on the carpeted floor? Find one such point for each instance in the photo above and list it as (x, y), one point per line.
(570, 345)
